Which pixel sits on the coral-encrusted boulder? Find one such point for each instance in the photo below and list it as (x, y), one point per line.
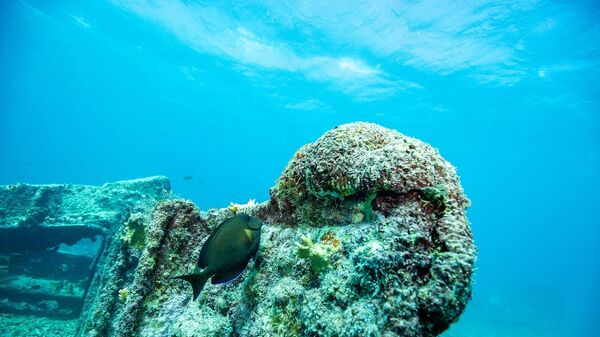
(365, 235)
(350, 166)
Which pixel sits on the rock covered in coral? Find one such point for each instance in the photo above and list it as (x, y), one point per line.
(127, 284)
(366, 235)
(51, 237)
(42, 216)
(349, 166)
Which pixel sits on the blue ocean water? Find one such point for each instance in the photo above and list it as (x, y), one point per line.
(222, 94)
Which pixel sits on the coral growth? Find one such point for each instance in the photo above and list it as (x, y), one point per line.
(235, 207)
(134, 233)
(318, 254)
(124, 294)
(436, 197)
(385, 249)
(53, 236)
(349, 166)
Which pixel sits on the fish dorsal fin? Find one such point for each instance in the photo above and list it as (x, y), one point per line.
(203, 259)
(225, 277)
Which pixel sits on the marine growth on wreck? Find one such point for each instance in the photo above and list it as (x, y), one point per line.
(365, 234)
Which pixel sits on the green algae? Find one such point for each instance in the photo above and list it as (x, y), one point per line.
(134, 232)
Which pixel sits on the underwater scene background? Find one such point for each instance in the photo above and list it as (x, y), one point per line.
(219, 96)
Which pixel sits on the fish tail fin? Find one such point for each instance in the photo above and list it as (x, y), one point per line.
(196, 280)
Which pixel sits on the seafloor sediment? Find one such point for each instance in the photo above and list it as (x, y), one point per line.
(17, 325)
(365, 235)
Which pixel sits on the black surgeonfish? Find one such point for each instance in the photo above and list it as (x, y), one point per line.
(226, 253)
